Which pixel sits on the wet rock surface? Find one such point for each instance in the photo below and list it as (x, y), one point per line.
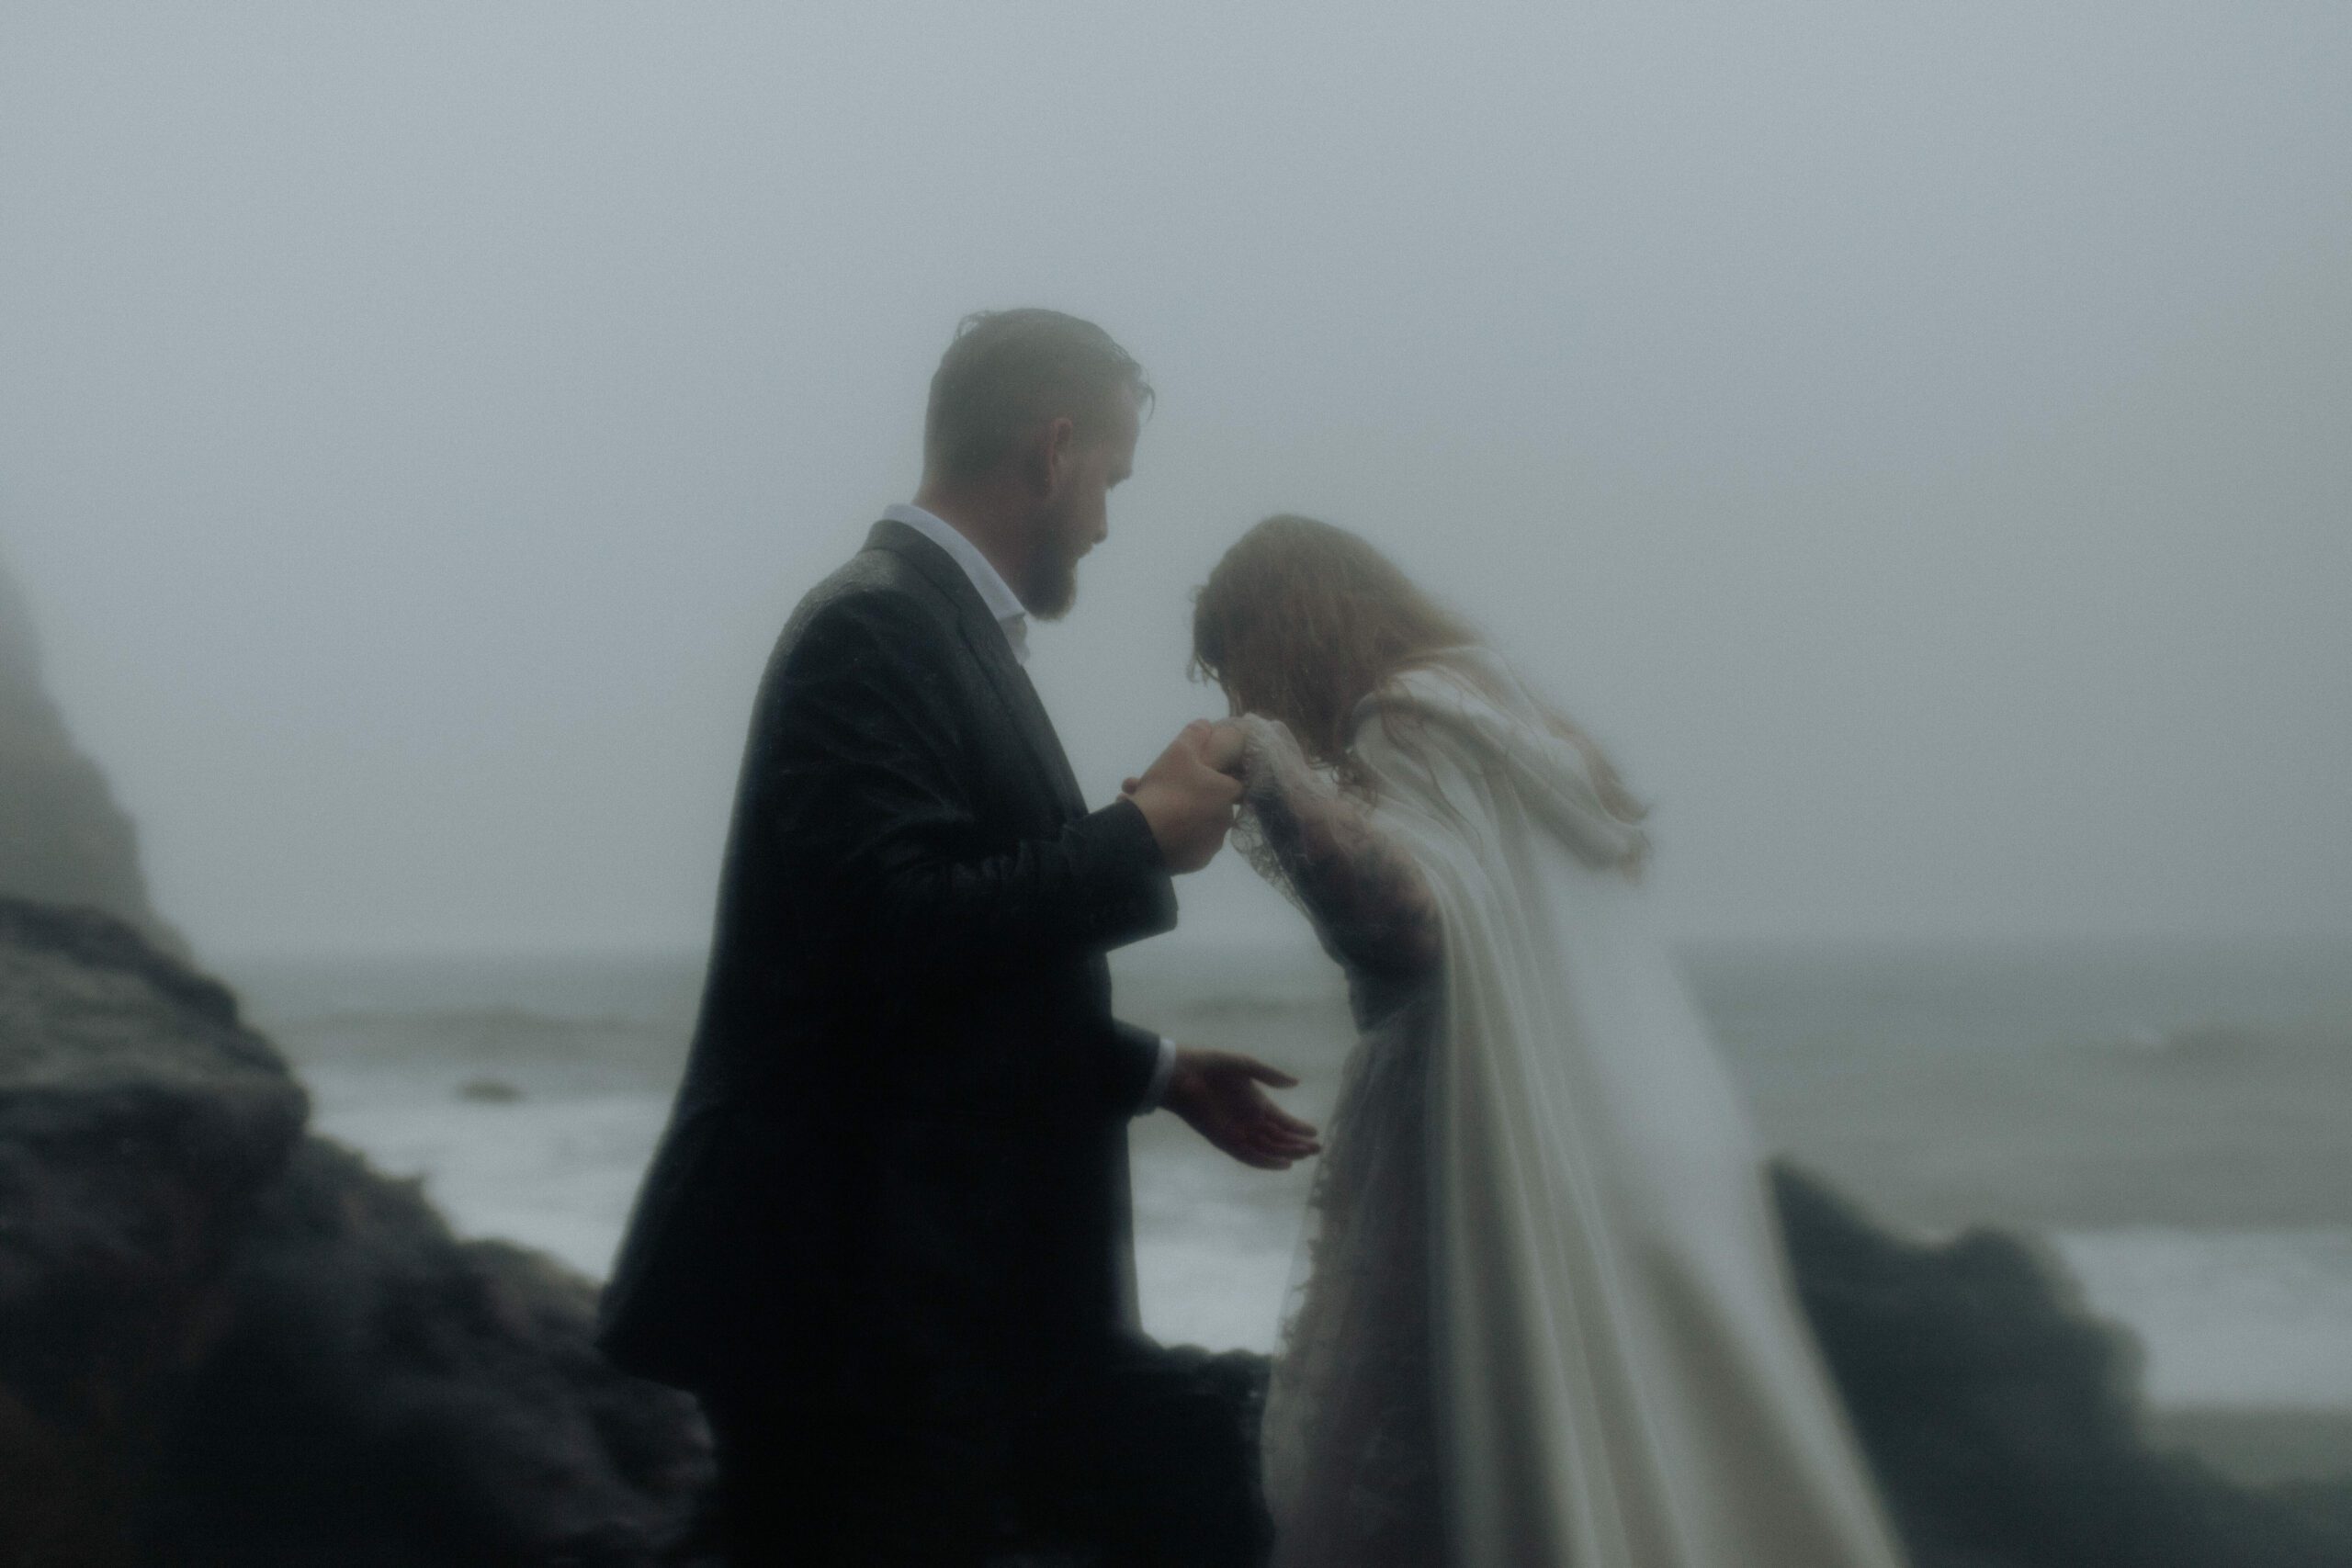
(225, 1341)
(2004, 1423)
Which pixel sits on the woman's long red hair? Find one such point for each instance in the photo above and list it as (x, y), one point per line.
(1301, 621)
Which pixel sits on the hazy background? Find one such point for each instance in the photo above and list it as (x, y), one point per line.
(1915, 438)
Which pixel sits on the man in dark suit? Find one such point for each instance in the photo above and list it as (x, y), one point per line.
(886, 1234)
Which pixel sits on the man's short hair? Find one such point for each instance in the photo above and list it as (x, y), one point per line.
(1010, 370)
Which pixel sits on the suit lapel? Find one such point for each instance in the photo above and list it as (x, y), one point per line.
(985, 640)
(1019, 695)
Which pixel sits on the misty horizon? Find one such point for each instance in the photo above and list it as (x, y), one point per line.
(1912, 443)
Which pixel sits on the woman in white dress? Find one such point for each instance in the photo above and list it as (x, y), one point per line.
(1545, 1319)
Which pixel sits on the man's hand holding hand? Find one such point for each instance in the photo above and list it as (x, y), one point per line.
(1188, 802)
(1217, 1092)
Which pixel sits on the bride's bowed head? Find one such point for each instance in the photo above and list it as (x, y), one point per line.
(1305, 622)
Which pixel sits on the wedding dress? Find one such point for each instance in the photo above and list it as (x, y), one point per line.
(1544, 1319)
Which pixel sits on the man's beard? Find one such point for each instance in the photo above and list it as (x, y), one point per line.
(1050, 585)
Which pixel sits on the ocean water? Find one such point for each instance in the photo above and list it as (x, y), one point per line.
(2176, 1120)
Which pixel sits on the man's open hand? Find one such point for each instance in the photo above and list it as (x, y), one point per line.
(1218, 1093)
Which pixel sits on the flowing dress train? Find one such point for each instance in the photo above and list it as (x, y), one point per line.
(1545, 1319)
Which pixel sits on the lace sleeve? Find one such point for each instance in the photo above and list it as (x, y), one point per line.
(1367, 899)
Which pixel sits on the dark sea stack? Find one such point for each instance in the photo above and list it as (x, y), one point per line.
(2004, 1423)
(391, 1395)
(63, 839)
(138, 1123)
(222, 1341)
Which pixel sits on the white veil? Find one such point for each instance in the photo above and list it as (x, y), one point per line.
(1614, 1370)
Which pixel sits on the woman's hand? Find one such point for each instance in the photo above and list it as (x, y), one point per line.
(1186, 799)
(1217, 743)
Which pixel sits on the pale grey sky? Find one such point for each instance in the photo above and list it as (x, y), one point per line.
(1915, 438)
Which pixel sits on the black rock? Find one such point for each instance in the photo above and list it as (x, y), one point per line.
(389, 1395)
(224, 1342)
(2003, 1422)
(140, 1122)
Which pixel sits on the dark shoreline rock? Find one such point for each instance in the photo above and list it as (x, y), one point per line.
(222, 1341)
(138, 1123)
(2004, 1423)
(388, 1394)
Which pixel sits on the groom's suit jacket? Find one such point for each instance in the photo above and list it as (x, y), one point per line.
(897, 1167)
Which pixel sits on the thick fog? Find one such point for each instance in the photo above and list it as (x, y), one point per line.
(1914, 438)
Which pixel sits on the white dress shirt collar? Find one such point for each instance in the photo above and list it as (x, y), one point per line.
(1001, 602)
